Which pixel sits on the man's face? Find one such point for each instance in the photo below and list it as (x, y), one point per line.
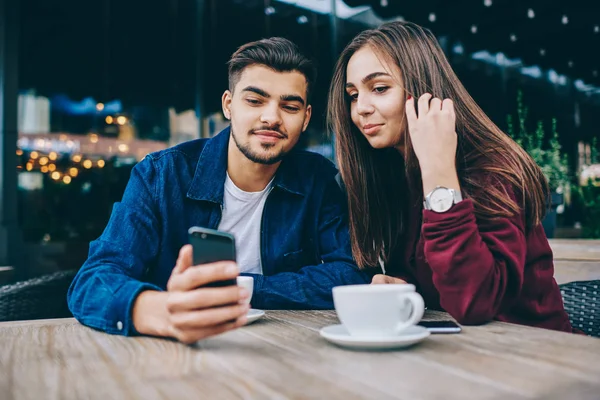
(268, 112)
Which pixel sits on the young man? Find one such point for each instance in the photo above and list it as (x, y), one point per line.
(283, 206)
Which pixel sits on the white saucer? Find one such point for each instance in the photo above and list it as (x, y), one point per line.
(253, 315)
(339, 335)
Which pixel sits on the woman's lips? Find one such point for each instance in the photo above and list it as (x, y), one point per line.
(371, 129)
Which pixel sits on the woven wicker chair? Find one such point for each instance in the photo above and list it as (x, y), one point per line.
(37, 298)
(582, 303)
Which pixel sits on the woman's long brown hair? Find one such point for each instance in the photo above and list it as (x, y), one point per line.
(379, 183)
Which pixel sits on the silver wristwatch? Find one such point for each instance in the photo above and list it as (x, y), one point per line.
(441, 199)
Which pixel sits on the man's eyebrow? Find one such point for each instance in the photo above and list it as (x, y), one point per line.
(256, 90)
(292, 97)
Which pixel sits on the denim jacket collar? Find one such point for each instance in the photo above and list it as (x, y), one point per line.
(211, 169)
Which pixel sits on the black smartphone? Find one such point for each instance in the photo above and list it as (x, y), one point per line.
(441, 326)
(210, 246)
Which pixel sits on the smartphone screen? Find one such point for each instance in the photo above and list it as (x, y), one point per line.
(441, 326)
(210, 246)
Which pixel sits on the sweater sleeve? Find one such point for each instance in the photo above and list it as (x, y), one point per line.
(478, 266)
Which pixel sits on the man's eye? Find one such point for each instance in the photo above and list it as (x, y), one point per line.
(291, 108)
(253, 101)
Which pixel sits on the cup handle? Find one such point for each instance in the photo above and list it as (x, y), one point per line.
(418, 308)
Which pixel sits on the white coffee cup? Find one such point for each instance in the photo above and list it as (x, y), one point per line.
(378, 310)
(246, 282)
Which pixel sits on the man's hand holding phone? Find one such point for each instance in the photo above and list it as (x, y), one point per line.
(188, 311)
(196, 312)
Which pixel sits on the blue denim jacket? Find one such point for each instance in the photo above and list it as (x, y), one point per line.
(305, 246)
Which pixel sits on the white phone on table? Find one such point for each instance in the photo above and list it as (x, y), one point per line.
(441, 326)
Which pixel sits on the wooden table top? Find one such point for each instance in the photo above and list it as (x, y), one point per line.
(576, 249)
(282, 356)
(576, 259)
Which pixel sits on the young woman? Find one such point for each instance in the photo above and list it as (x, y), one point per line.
(439, 195)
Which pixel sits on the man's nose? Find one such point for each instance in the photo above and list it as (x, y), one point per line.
(271, 115)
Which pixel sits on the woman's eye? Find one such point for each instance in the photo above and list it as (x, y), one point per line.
(353, 96)
(381, 89)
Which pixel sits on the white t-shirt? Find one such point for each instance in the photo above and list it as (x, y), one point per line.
(242, 216)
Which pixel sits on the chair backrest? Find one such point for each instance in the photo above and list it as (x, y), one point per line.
(37, 298)
(582, 303)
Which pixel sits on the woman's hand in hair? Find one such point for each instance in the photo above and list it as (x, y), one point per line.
(434, 140)
(383, 279)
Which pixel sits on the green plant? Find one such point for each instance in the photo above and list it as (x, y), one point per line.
(588, 198)
(546, 152)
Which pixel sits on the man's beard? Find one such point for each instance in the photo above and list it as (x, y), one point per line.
(258, 158)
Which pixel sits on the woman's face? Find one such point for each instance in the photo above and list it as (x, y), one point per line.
(377, 98)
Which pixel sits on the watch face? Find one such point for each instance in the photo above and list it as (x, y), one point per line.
(441, 200)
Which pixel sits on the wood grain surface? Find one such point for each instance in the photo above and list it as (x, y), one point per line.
(282, 356)
(576, 249)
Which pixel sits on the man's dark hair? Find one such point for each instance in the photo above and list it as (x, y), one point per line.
(276, 53)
